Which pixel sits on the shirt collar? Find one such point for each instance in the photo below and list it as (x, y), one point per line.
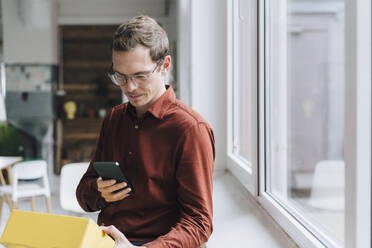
(160, 106)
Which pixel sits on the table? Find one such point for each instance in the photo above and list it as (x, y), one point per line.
(6, 162)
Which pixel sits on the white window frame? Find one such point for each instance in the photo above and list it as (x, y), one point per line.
(244, 171)
(358, 124)
(357, 134)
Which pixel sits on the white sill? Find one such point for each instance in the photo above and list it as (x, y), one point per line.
(239, 221)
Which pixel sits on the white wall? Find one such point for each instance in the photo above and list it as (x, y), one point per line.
(184, 50)
(107, 11)
(29, 31)
(208, 66)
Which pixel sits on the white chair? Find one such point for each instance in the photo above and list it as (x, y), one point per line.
(328, 189)
(28, 170)
(70, 178)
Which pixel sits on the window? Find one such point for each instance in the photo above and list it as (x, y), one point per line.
(305, 92)
(301, 98)
(242, 147)
(244, 82)
(305, 106)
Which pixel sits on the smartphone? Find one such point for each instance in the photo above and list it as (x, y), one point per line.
(111, 170)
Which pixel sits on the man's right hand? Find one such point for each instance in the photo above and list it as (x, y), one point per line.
(120, 240)
(107, 187)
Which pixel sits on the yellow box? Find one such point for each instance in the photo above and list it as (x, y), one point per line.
(39, 230)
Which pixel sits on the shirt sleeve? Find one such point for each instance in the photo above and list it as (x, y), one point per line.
(88, 196)
(194, 176)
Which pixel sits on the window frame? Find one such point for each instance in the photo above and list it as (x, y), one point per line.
(357, 118)
(358, 124)
(244, 171)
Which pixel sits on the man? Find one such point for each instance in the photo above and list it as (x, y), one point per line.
(165, 149)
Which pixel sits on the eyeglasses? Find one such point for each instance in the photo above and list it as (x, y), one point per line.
(138, 79)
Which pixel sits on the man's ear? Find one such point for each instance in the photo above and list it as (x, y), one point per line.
(166, 63)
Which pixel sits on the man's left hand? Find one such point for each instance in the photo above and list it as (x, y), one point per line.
(120, 240)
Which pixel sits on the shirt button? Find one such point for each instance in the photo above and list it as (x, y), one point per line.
(136, 126)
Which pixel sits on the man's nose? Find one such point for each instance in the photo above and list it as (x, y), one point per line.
(131, 84)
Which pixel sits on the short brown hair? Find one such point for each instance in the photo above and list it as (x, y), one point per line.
(145, 31)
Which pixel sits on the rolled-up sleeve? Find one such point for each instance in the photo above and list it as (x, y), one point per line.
(196, 156)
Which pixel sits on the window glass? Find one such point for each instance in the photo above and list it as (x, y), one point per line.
(245, 80)
(305, 98)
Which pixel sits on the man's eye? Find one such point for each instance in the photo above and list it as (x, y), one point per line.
(140, 77)
(117, 75)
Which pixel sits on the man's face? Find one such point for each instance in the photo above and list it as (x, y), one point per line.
(138, 62)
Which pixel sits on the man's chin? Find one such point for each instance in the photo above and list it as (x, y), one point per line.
(136, 103)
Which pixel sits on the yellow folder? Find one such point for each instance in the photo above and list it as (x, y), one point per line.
(40, 230)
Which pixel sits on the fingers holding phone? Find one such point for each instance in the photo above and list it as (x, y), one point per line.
(112, 183)
(112, 191)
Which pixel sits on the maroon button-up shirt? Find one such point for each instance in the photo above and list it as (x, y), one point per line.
(168, 156)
